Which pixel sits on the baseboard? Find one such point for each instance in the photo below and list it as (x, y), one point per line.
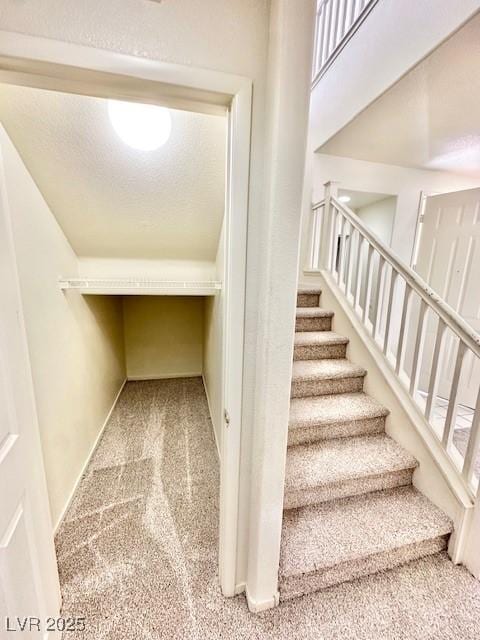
(92, 450)
(255, 606)
(166, 376)
(211, 416)
(240, 588)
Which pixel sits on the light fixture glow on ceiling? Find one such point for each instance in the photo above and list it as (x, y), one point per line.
(344, 199)
(142, 126)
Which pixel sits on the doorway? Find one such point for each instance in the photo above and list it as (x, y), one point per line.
(61, 66)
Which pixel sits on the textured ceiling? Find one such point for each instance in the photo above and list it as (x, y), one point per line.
(429, 119)
(112, 200)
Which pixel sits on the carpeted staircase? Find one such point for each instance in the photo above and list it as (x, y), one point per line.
(350, 508)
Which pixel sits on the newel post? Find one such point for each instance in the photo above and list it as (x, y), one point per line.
(331, 189)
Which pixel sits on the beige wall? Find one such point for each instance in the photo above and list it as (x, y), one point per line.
(163, 336)
(213, 347)
(175, 270)
(75, 342)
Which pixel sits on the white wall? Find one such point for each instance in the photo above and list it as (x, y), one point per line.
(176, 270)
(379, 217)
(213, 373)
(163, 336)
(406, 184)
(185, 31)
(393, 38)
(75, 342)
(289, 74)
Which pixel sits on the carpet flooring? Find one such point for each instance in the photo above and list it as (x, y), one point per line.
(137, 550)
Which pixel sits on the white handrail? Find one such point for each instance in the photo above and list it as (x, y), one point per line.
(342, 245)
(452, 319)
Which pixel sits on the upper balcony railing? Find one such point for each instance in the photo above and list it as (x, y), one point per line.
(336, 21)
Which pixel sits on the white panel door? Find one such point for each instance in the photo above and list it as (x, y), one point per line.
(29, 587)
(449, 260)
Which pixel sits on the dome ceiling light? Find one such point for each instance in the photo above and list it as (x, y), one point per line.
(142, 126)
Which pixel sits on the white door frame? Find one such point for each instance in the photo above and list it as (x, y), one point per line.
(61, 66)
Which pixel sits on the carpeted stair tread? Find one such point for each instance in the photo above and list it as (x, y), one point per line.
(313, 312)
(311, 290)
(330, 466)
(329, 369)
(331, 409)
(350, 509)
(310, 338)
(316, 538)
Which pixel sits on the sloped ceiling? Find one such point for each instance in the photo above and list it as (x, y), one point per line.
(430, 119)
(114, 201)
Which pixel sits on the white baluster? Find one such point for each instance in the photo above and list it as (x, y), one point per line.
(452, 400)
(357, 10)
(393, 280)
(351, 13)
(406, 300)
(358, 275)
(418, 350)
(377, 312)
(322, 37)
(326, 248)
(316, 44)
(313, 235)
(343, 25)
(345, 252)
(353, 259)
(435, 370)
(328, 26)
(333, 240)
(368, 284)
(335, 39)
(341, 248)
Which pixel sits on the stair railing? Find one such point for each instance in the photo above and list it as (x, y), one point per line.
(407, 320)
(336, 21)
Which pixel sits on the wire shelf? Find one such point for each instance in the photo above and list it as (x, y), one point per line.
(141, 286)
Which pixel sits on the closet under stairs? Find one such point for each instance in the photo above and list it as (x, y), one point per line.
(350, 508)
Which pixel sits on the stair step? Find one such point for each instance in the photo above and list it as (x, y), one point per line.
(334, 416)
(344, 539)
(321, 377)
(314, 345)
(344, 467)
(308, 297)
(313, 319)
